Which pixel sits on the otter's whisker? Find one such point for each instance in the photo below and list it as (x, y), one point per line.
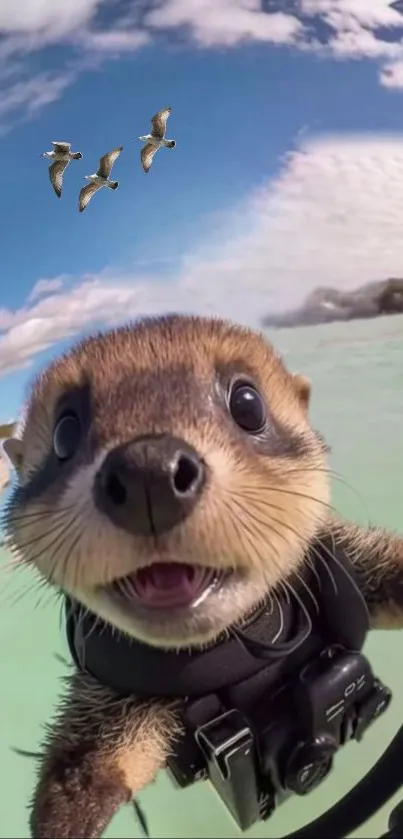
(289, 527)
(259, 501)
(244, 525)
(255, 492)
(267, 522)
(310, 563)
(95, 624)
(314, 550)
(271, 596)
(10, 565)
(26, 753)
(15, 597)
(284, 588)
(278, 533)
(77, 531)
(62, 553)
(280, 608)
(335, 476)
(301, 604)
(38, 514)
(231, 522)
(54, 526)
(45, 547)
(44, 599)
(310, 592)
(332, 555)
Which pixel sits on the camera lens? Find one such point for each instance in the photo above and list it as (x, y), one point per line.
(309, 764)
(310, 775)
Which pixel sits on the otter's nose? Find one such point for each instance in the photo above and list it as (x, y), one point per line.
(149, 485)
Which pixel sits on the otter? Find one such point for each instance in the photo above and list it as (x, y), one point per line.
(169, 479)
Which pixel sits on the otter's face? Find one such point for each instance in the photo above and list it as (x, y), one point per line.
(170, 477)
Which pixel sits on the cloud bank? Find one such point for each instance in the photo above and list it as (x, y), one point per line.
(96, 30)
(333, 216)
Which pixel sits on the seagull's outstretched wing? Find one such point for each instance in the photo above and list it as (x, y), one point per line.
(106, 162)
(61, 148)
(147, 154)
(86, 194)
(56, 175)
(159, 123)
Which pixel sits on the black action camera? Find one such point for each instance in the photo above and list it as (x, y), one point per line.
(289, 743)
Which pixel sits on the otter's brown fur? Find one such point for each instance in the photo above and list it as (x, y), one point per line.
(100, 750)
(266, 503)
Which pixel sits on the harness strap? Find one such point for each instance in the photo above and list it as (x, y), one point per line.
(326, 596)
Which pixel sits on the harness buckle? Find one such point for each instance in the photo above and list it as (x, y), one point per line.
(228, 745)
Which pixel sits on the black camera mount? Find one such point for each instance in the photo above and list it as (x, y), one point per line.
(334, 699)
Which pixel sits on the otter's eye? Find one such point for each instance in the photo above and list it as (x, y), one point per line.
(247, 408)
(67, 436)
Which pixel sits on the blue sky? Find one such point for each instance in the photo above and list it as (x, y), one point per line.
(288, 170)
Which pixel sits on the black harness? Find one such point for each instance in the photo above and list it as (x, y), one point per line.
(326, 607)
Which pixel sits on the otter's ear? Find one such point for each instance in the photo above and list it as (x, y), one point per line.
(303, 387)
(13, 450)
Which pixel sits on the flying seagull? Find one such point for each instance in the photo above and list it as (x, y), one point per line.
(100, 178)
(156, 139)
(61, 156)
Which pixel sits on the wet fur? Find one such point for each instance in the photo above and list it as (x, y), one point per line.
(377, 555)
(266, 505)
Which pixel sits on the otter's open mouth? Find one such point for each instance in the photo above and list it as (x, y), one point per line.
(169, 585)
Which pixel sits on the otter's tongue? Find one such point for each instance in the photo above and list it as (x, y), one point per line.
(170, 583)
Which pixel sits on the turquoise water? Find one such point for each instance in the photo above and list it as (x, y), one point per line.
(356, 370)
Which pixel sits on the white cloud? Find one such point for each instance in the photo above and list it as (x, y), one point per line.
(225, 22)
(45, 17)
(32, 94)
(43, 287)
(210, 21)
(355, 30)
(115, 41)
(356, 26)
(362, 43)
(333, 216)
(30, 25)
(349, 14)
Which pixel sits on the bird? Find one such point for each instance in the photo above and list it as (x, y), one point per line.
(100, 178)
(156, 139)
(61, 156)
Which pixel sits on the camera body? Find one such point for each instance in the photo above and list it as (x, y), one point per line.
(280, 740)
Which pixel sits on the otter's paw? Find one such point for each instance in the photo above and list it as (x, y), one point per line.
(73, 803)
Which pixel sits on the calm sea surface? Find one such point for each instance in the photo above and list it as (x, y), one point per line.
(357, 375)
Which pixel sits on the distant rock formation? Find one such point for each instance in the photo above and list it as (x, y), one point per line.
(325, 305)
